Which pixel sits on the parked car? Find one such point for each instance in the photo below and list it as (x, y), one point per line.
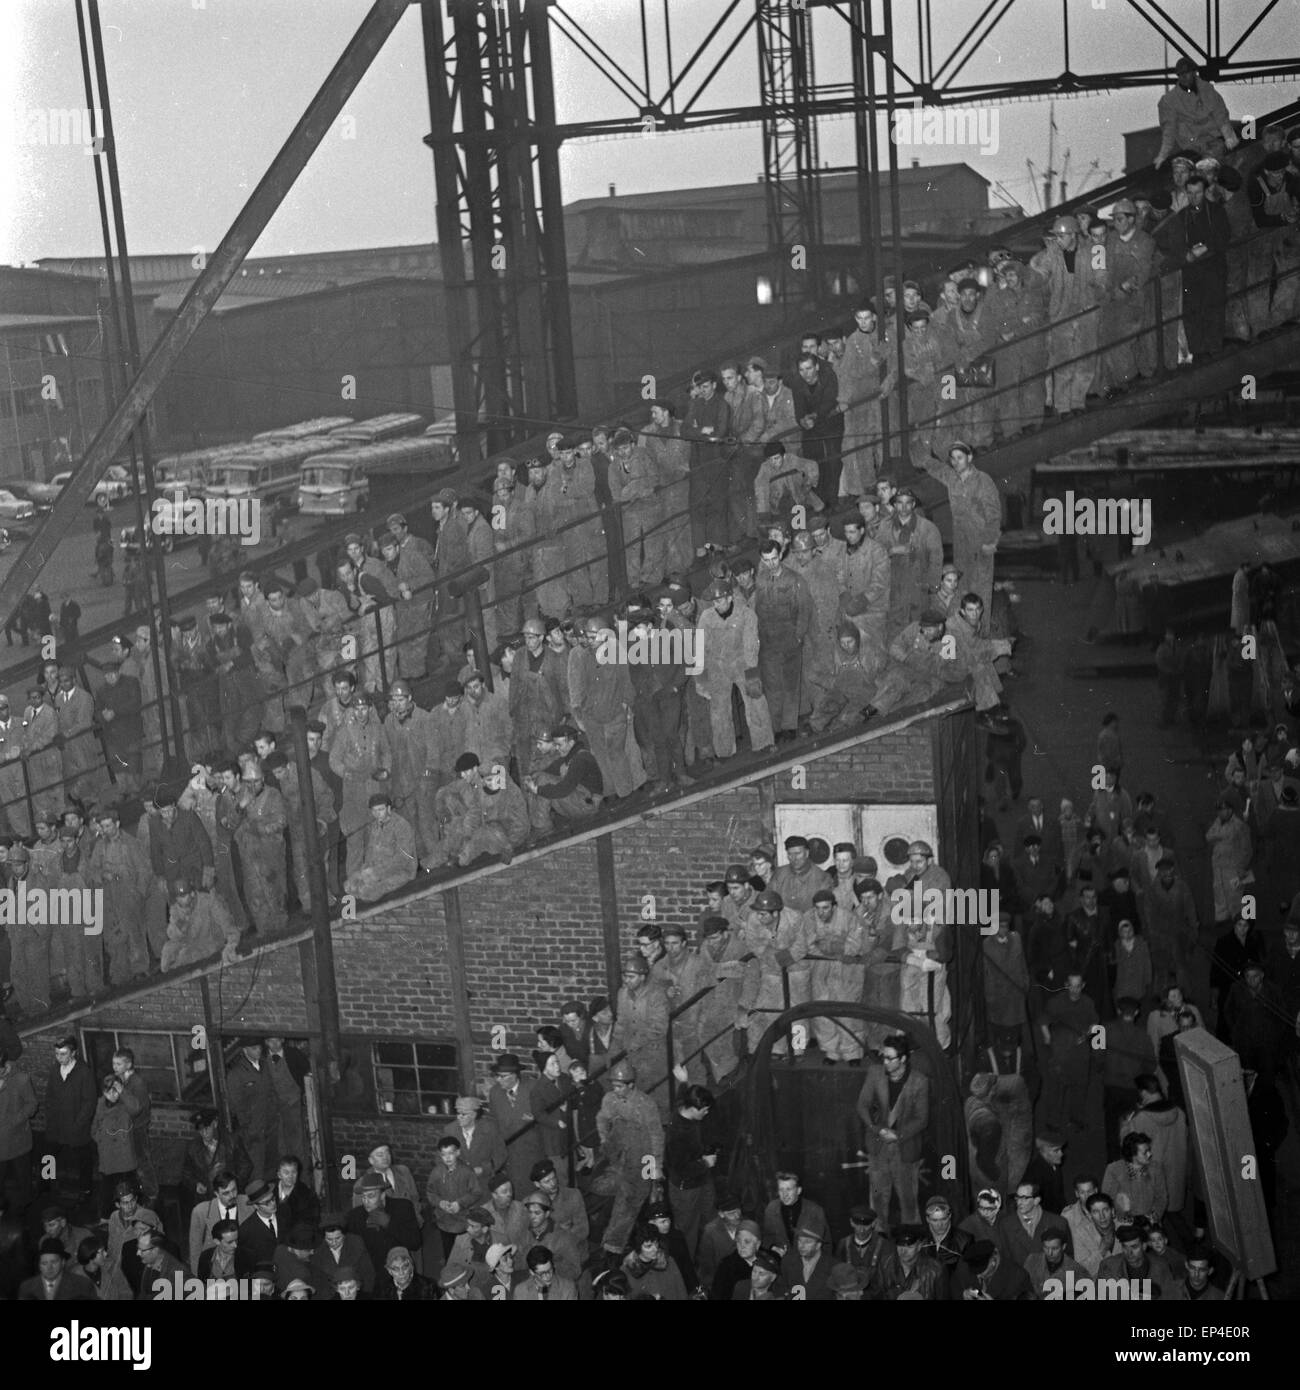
(115, 485)
(15, 508)
(42, 496)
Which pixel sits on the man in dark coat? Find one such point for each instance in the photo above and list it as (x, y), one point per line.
(117, 707)
(383, 1222)
(1197, 240)
(70, 1098)
(894, 1107)
(55, 1283)
(260, 1234)
(399, 1283)
(253, 1106)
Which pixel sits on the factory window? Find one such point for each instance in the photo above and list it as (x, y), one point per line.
(175, 1069)
(763, 289)
(393, 1076)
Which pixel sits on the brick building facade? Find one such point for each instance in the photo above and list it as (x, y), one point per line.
(522, 939)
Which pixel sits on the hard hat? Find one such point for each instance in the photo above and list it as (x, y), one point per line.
(534, 627)
(399, 688)
(920, 847)
(1064, 224)
(622, 1071)
(802, 540)
(592, 626)
(736, 873)
(768, 901)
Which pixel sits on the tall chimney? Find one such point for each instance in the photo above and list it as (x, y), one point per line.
(916, 163)
(611, 190)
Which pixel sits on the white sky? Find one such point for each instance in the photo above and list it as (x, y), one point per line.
(205, 91)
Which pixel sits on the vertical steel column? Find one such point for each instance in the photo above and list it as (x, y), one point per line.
(791, 180)
(128, 346)
(451, 242)
(316, 959)
(895, 223)
(472, 45)
(520, 281)
(554, 252)
(864, 121)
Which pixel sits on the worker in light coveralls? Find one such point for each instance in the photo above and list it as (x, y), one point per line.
(976, 518)
(729, 637)
(923, 982)
(1076, 286)
(838, 935)
(389, 859)
(777, 936)
(632, 1145)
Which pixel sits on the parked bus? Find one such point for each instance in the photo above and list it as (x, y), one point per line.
(268, 472)
(379, 428)
(337, 483)
(190, 467)
(304, 429)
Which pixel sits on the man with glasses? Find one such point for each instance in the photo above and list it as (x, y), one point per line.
(1027, 1225)
(543, 1284)
(895, 1110)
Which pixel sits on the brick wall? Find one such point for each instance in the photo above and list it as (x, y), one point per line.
(533, 933)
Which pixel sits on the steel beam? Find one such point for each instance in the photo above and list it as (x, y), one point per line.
(315, 123)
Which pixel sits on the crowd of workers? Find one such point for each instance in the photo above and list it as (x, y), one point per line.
(433, 741)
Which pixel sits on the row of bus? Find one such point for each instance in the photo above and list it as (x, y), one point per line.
(322, 466)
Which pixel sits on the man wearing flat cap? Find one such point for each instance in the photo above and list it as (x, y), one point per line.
(407, 539)
(1193, 113)
(764, 1284)
(808, 1265)
(798, 879)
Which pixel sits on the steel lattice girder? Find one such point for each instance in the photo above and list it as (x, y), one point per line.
(498, 190)
(635, 106)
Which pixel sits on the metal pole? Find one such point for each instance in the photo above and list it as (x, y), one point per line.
(554, 256)
(863, 116)
(895, 221)
(451, 247)
(323, 997)
(270, 192)
(150, 555)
